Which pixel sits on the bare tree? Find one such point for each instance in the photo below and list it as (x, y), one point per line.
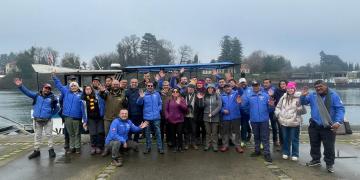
(185, 54)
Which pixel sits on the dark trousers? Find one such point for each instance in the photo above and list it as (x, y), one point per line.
(275, 127)
(212, 130)
(163, 129)
(117, 147)
(176, 134)
(261, 135)
(136, 119)
(189, 130)
(96, 131)
(318, 134)
(245, 127)
(227, 130)
(200, 127)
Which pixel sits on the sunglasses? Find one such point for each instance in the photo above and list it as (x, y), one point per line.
(150, 86)
(175, 91)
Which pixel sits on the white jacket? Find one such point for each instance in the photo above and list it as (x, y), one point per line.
(289, 111)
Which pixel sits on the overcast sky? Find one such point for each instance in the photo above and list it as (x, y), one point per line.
(299, 30)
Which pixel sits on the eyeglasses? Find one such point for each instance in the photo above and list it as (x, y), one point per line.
(175, 91)
(150, 86)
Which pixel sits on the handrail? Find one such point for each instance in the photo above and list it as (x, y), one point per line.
(21, 128)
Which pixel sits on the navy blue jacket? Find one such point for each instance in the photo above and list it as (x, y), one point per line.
(134, 109)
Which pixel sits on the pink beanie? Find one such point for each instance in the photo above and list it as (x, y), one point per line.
(291, 85)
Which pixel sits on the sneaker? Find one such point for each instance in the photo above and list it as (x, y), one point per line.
(215, 148)
(195, 147)
(52, 153)
(313, 163)
(261, 146)
(161, 151)
(267, 158)
(35, 154)
(284, 156)
(239, 150)
(93, 151)
(255, 154)
(77, 150)
(186, 147)
(116, 162)
(147, 151)
(224, 149)
(98, 150)
(105, 152)
(294, 158)
(330, 168)
(242, 144)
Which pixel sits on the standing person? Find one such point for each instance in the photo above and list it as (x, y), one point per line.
(45, 105)
(175, 110)
(73, 112)
(108, 82)
(245, 117)
(190, 122)
(230, 122)
(182, 85)
(114, 101)
(199, 113)
(212, 106)
(327, 114)
(279, 92)
(95, 113)
(165, 95)
(269, 89)
(288, 111)
(123, 84)
(135, 110)
(117, 137)
(152, 104)
(258, 104)
(95, 83)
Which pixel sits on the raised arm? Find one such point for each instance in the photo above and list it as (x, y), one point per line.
(23, 89)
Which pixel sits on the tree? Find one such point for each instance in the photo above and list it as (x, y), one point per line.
(256, 61)
(148, 47)
(104, 61)
(225, 54)
(84, 65)
(185, 54)
(235, 51)
(24, 60)
(196, 59)
(165, 53)
(129, 51)
(331, 63)
(45, 55)
(70, 60)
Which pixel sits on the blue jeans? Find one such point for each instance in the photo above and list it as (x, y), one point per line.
(290, 140)
(261, 135)
(155, 124)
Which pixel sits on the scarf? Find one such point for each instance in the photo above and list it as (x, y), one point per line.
(324, 109)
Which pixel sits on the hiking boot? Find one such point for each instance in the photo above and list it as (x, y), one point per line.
(161, 151)
(180, 149)
(116, 162)
(98, 150)
(77, 150)
(267, 158)
(239, 150)
(330, 168)
(313, 163)
(224, 149)
(93, 151)
(186, 147)
(147, 151)
(195, 147)
(35, 154)
(52, 153)
(255, 154)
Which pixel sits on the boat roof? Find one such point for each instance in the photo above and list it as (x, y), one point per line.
(46, 69)
(188, 67)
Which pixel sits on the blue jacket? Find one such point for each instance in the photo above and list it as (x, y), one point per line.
(119, 130)
(257, 106)
(271, 109)
(337, 110)
(134, 109)
(73, 106)
(229, 103)
(152, 105)
(45, 106)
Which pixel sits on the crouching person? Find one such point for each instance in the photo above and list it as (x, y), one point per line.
(118, 136)
(44, 107)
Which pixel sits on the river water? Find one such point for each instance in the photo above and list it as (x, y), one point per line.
(16, 106)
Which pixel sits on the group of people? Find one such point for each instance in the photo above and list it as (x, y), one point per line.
(187, 113)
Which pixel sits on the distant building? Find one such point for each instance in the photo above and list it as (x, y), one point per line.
(11, 67)
(245, 68)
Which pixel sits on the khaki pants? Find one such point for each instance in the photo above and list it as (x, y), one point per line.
(73, 129)
(41, 127)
